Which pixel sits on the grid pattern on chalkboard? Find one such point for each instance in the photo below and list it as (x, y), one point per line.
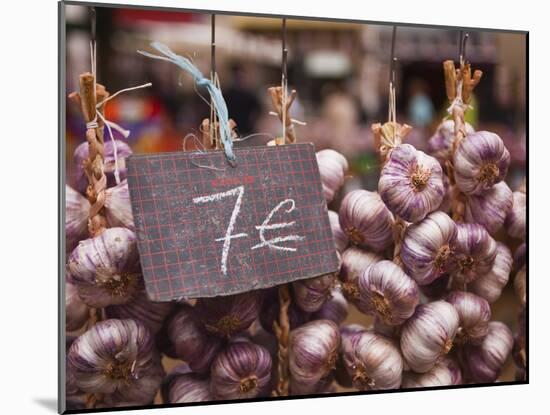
(180, 256)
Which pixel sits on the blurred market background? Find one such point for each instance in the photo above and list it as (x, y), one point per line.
(340, 71)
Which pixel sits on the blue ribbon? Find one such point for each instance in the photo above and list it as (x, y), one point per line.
(217, 97)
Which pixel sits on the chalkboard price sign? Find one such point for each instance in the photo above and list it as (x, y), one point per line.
(205, 228)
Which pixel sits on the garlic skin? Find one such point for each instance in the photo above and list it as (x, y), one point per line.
(427, 249)
(491, 284)
(152, 314)
(340, 237)
(476, 251)
(489, 208)
(229, 315)
(77, 208)
(517, 216)
(332, 167)
(105, 269)
(81, 154)
(191, 342)
(440, 144)
(520, 286)
(118, 210)
(453, 365)
(242, 370)
(117, 358)
(366, 220)
(484, 362)
(386, 292)
(313, 351)
(373, 361)
(520, 257)
(474, 314)
(310, 294)
(428, 335)
(335, 308)
(76, 312)
(480, 161)
(354, 263)
(439, 375)
(411, 183)
(189, 387)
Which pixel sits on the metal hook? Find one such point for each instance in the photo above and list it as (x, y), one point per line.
(213, 49)
(93, 19)
(393, 59)
(462, 39)
(285, 51)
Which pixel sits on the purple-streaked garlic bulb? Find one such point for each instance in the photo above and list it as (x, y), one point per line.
(453, 365)
(191, 342)
(117, 358)
(393, 332)
(519, 351)
(118, 210)
(152, 314)
(520, 285)
(188, 387)
(446, 203)
(474, 314)
(366, 220)
(105, 269)
(427, 249)
(428, 335)
(333, 168)
(229, 315)
(301, 388)
(520, 257)
(438, 375)
(82, 153)
(517, 216)
(334, 309)
(313, 351)
(491, 284)
(310, 294)
(270, 314)
(411, 183)
(490, 207)
(373, 361)
(242, 370)
(340, 237)
(181, 369)
(484, 362)
(440, 144)
(76, 312)
(480, 161)
(77, 208)
(386, 292)
(354, 262)
(475, 253)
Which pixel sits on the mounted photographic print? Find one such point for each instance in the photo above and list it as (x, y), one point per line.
(278, 207)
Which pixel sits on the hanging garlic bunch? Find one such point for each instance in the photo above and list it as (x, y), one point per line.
(366, 220)
(428, 335)
(489, 208)
(354, 263)
(333, 168)
(474, 314)
(491, 284)
(440, 144)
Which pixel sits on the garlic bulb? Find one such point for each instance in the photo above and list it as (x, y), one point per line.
(453, 365)
(474, 314)
(181, 369)
(428, 335)
(105, 269)
(480, 161)
(411, 183)
(491, 284)
(489, 208)
(440, 144)
(519, 351)
(438, 375)
(520, 285)
(340, 237)
(270, 313)
(520, 257)
(150, 313)
(191, 342)
(117, 358)
(386, 292)
(475, 253)
(484, 362)
(310, 294)
(118, 210)
(354, 263)
(373, 361)
(334, 309)
(517, 216)
(393, 332)
(427, 249)
(366, 220)
(189, 387)
(313, 350)
(242, 370)
(77, 208)
(332, 167)
(81, 154)
(76, 312)
(229, 315)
